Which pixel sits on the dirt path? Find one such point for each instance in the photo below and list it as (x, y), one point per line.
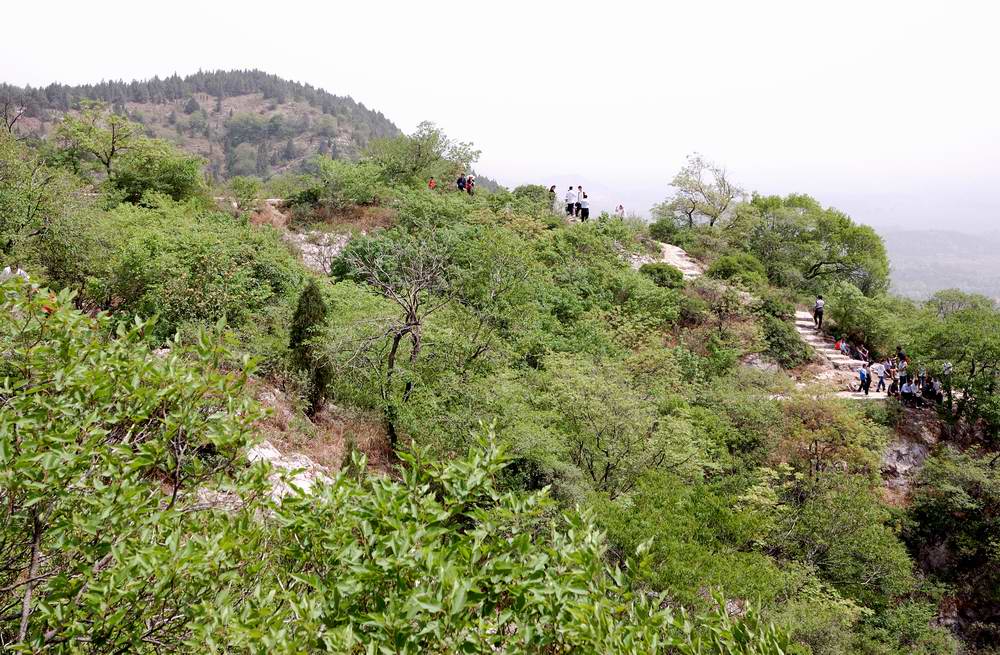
(676, 257)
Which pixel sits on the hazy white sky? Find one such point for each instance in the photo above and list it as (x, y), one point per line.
(887, 110)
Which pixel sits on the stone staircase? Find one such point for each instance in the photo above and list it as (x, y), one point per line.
(836, 360)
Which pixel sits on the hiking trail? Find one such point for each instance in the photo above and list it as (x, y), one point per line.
(838, 368)
(834, 370)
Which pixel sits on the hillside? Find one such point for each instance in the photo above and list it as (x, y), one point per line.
(382, 417)
(926, 261)
(242, 122)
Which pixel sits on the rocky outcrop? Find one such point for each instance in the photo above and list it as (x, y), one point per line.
(290, 472)
(917, 434)
(317, 249)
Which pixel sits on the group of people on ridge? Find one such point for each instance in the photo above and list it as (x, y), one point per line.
(894, 374)
(577, 202)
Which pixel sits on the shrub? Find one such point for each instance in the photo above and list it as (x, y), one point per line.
(342, 184)
(737, 264)
(664, 229)
(157, 167)
(663, 275)
(185, 265)
(784, 345)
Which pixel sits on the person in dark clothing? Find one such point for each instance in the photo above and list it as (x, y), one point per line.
(818, 312)
(461, 182)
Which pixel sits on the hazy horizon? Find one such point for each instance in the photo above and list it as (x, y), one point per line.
(887, 112)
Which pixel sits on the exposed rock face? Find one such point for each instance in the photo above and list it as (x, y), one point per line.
(291, 471)
(317, 249)
(915, 438)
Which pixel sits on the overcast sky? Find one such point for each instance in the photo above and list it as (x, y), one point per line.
(887, 110)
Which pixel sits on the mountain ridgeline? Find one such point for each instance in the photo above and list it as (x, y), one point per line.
(244, 123)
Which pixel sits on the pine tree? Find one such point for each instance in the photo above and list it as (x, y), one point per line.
(310, 314)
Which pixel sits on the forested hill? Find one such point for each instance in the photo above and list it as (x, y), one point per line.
(243, 122)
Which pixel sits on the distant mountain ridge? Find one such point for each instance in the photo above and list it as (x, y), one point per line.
(926, 261)
(243, 122)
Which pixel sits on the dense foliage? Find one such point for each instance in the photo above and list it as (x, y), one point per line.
(528, 391)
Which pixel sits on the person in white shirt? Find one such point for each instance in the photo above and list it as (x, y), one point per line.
(579, 197)
(9, 273)
(878, 369)
(584, 205)
(570, 202)
(818, 312)
(620, 211)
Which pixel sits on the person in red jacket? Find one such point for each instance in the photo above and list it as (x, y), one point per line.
(432, 184)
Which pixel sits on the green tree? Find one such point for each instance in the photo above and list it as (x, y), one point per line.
(704, 194)
(245, 191)
(612, 427)
(309, 318)
(97, 134)
(32, 195)
(843, 530)
(963, 348)
(427, 152)
(154, 166)
(806, 246)
(956, 514)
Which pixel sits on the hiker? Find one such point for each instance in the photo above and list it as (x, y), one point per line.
(432, 184)
(938, 390)
(620, 211)
(570, 201)
(893, 389)
(904, 375)
(864, 380)
(584, 205)
(470, 184)
(579, 196)
(818, 312)
(862, 353)
(906, 394)
(9, 273)
(552, 198)
(461, 182)
(927, 390)
(878, 369)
